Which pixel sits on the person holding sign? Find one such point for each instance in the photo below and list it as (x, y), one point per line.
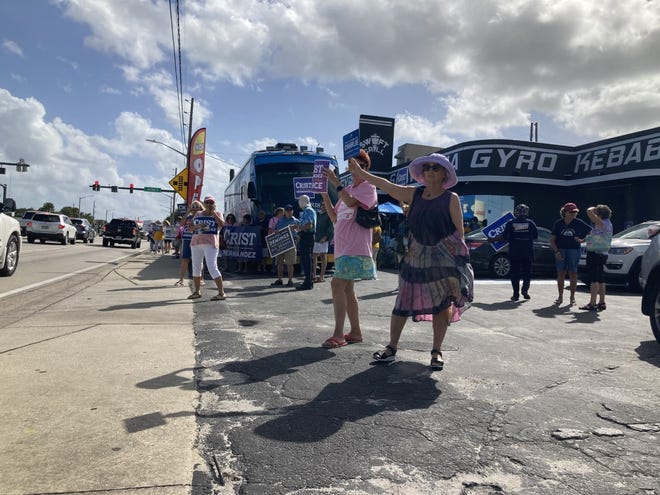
(353, 256)
(435, 275)
(204, 245)
(306, 231)
(520, 233)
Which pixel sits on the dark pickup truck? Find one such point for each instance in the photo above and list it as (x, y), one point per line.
(122, 231)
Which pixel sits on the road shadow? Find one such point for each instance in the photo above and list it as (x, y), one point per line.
(282, 363)
(172, 379)
(498, 306)
(401, 386)
(649, 351)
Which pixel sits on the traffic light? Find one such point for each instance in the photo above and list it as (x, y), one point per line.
(96, 186)
(130, 188)
(113, 188)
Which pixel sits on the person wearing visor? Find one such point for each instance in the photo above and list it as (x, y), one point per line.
(205, 245)
(435, 275)
(567, 234)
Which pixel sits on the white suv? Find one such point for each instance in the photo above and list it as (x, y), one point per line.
(51, 227)
(10, 240)
(649, 279)
(624, 258)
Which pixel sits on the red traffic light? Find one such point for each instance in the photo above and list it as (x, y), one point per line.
(130, 188)
(96, 186)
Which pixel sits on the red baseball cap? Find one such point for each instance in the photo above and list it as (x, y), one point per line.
(570, 207)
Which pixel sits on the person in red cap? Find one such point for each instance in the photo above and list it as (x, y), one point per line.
(567, 234)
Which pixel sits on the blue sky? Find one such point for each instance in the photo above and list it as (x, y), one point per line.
(85, 82)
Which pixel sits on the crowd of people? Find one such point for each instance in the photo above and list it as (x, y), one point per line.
(435, 276)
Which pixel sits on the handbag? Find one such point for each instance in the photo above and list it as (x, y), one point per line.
(599, 243)
(368, 218)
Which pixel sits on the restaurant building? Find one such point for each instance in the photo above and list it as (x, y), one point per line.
(494, 174)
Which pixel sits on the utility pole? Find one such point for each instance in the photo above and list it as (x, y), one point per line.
(192, 104)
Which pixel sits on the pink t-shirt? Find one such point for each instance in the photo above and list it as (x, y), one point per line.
(350, 238)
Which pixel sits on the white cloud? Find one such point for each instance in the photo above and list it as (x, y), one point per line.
(65, 160)
(12, 47)
(491, 62)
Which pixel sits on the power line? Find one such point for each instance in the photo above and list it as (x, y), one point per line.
(176, 47)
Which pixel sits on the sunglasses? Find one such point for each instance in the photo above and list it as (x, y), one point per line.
(432, 166)
(195, 208)
(209, 202)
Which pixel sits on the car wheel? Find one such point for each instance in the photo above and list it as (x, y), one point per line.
(633, 275)
(500, 266)
(42, 241)
(85, 240)
(105, 243)
(133, 245)
(72, 240)
(30, 239)
(112, 243)
(654, 317)
(11, 257)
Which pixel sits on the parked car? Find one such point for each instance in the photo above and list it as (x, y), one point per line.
(485, 259)
(27, 216)
(51, 227)
(10, 239)
(84, 230)
(624, 259)
(649, 279)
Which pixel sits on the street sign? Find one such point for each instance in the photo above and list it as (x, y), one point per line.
(180, 183)
(152, 189)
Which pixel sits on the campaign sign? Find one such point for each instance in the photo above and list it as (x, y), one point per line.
(280, 242)
(352, 144)
(496, 229)
(243, 242)
(319, 180)
(209, 225)
(402, 177)
(302, 185)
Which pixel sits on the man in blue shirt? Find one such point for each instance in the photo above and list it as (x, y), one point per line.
(288, 257)
(306, 230)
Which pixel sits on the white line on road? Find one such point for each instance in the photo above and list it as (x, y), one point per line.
(61, 277)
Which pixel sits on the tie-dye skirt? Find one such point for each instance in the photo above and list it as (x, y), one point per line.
(434, 278)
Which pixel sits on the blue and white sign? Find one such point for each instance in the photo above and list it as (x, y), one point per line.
(208, 225)
(402, 177)
(243, 242)
(303, 185)
(352, 144)
(496, 228)
(319, 180)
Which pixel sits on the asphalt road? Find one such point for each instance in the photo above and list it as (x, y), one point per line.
(534, 399)
(143, 391)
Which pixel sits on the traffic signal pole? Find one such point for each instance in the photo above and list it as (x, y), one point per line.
(98, 187)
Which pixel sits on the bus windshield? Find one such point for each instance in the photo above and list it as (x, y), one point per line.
(266, 181)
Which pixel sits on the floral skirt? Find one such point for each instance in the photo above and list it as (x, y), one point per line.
(355, 268)
(434, 278)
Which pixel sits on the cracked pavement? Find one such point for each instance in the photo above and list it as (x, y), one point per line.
(533, 399)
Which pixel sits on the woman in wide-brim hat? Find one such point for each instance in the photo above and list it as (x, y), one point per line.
(435, 276)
